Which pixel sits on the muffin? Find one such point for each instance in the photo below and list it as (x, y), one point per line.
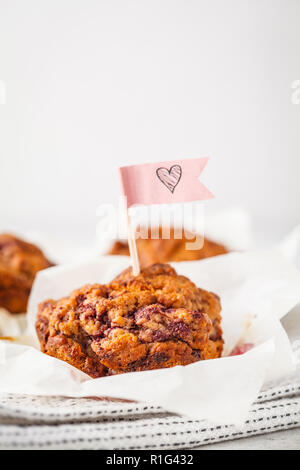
(19, 263)
(152, 251)
(155, 320)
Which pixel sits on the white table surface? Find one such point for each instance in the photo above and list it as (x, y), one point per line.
(282, 440)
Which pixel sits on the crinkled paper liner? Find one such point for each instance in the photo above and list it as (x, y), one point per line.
(257, 289)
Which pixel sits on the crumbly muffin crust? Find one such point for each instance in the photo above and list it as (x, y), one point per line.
(19, 263)
(152, 251)
(155, 320)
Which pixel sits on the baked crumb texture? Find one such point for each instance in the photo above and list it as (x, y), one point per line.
(19, 263)
(155, 320)
(152, 251)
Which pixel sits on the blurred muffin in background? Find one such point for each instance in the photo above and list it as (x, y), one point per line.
(161, 250)
(19, 263)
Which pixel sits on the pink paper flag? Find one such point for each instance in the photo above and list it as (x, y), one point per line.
(164, 182)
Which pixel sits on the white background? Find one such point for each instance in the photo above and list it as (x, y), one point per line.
(95, 84)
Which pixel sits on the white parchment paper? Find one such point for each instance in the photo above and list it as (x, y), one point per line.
(11, 324)
(256, 288)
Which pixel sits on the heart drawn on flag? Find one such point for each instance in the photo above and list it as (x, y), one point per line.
(170, 178)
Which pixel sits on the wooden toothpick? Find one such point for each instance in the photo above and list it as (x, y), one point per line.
(132, 247)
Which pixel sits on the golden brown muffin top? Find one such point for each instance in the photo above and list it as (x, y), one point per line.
(117, 301)
(121, 322)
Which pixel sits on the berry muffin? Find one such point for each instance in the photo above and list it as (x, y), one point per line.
(152, 251)
(19, 263)
(154, 320)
